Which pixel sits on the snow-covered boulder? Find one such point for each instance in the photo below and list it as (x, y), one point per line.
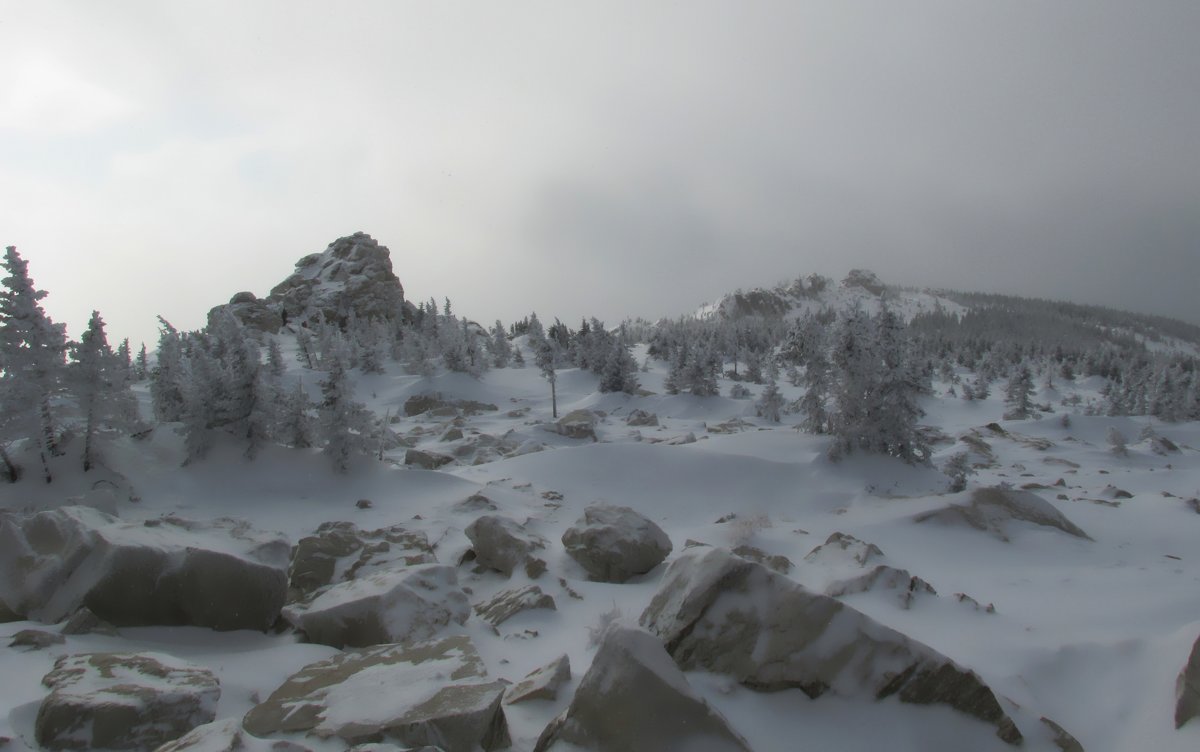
(220, 574)
(340, 551)
(434, 693)
(614, 543)
(1187, 689)
(777, 562)
(635, 698)
(577, 424)
(426, 460)
(123, 701)
(508, 603)
(542, 683)
(883, 577)
(36, 639)
(721, 613)
(219, 736)
(841, 548)
(408, 604)
(503, 544)
(352, 276)
(255, 314)
(992, 509)
(641, 418)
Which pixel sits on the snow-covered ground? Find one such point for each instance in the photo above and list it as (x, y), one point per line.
(1090, 633)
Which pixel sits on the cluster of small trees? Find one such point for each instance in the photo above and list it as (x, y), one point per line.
(51, 389)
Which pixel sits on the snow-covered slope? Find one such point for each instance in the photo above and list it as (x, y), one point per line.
(1089, 633)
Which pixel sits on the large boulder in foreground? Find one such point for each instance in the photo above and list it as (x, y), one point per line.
(634, 697)
(446, 699)
(340, 552)
(123, 701)
(993, 509)
(721, 613)
(167, 572)
(503, 545)
(409, 604)
(1187, 689)
(615, 543)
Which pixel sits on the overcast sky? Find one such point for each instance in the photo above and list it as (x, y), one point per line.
(608, 159)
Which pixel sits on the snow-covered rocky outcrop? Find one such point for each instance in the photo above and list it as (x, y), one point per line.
(351, 277)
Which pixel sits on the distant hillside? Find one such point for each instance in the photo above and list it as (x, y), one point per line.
(958, 316)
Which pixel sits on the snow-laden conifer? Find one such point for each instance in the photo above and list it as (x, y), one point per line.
(32, 352)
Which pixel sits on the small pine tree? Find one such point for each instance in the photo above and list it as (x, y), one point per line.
(100, 381)
(295, 425)
(168, 376)
(770, 404)
(345, 424)
(498, 346)
(1018, 395)
(544, 358)
(816, 394)
(32, 351)
(620, 370)
(1117, 442)
(958, 467)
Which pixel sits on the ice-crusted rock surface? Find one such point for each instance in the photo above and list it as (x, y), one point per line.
(721, 613)
(123, 701)
(421, 693)
(340, 551)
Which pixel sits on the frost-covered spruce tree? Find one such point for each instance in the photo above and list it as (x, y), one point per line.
(544, 357)
(345, 424)
(32, 351)
(141, 365)
(295, 427)
(855, 369)
(770, 404)
(1018, 395)
(816, 394)
(100, 382)
(201, 395)
(498, 346)
(894, 410)
(168, 377)
(620, 371)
